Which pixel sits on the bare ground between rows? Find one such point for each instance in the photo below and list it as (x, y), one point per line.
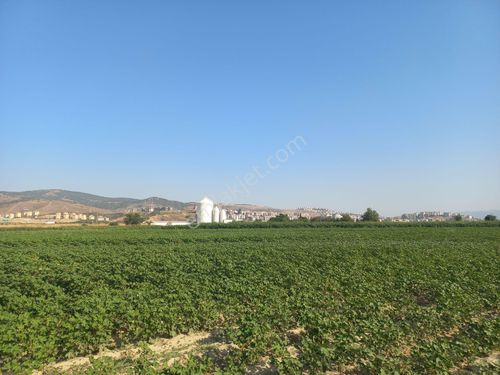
(176, 347)
(171, 350)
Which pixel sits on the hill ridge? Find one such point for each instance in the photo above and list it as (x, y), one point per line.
(75, 200)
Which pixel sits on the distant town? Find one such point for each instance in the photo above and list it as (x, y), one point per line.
(56, 206)
(161, 215)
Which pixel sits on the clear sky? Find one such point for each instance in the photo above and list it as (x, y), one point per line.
(398, 101)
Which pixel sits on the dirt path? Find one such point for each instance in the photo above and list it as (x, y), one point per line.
(177, 346)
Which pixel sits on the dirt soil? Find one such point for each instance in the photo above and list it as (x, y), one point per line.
(177, 346)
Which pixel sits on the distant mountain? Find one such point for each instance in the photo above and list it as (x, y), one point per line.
(55, 200)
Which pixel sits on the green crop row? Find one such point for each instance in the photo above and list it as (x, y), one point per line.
(374, 300)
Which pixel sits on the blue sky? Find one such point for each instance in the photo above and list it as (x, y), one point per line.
(398, 101)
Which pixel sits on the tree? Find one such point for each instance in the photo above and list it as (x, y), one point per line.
(490, 218)
(280, 218)
(346, 217)
(457, 217)
(370, 215)
(133, 218)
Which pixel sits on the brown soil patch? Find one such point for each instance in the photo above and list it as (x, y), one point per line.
(178, 345)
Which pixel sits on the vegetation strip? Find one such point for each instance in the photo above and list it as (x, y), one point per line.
(373, 299)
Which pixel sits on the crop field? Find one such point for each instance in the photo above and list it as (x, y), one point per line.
(288, 300)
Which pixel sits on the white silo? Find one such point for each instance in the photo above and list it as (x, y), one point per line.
(204, 212)
(222, 215)
(215, 214)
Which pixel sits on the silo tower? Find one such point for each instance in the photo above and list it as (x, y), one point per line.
(222, 215)
(204, 212)
(215, 214)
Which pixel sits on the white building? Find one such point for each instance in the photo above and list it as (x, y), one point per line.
(215, 215)
(168, 223)
(222, 216)
(204, 211)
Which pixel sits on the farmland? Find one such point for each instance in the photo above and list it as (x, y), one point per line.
(293, 299)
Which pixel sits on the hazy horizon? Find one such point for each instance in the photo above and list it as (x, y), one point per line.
(393, 106)
(479, 213)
